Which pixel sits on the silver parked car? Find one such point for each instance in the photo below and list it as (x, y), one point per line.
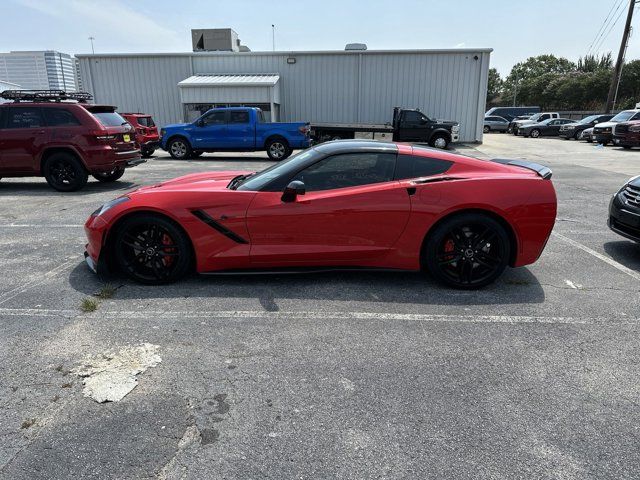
(493, 123)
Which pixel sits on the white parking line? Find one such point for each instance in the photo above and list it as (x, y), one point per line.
(293, 315)
(604, 258)
(39, 225)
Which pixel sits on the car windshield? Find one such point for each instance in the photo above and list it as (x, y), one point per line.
(623, 116)
(261, 179)
(589, 119)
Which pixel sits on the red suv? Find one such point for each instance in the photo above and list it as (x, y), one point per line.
(58, 136)
(147, 136)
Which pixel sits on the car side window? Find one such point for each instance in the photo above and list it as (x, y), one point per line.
(414, 166)
(59, 117)
(24, 117)
(348, 170)
(411, 118)
(239, 117)
(214, 118)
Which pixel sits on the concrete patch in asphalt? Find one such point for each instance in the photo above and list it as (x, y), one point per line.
(110, 376)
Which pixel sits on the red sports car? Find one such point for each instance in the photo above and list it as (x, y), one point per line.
(344, 204)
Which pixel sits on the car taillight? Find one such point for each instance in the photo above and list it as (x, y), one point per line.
(141, 131)
(304, 129)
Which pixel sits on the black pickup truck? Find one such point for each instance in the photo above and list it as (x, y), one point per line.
(408, 125)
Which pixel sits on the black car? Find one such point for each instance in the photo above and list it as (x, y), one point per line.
(546, 128)
(624, 210)
(573, 130)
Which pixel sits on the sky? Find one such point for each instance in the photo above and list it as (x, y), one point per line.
(515, 29)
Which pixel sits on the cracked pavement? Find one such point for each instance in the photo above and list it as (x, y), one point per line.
(337, 375)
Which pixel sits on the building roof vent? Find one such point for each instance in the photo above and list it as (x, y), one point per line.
(355, 46)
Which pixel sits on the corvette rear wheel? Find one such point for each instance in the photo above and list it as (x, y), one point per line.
(467, 251)
(151, 249)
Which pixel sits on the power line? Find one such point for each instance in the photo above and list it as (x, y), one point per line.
(604, 22)
(609, 31)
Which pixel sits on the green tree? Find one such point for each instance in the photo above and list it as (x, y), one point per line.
(494, 87)
(526, 76)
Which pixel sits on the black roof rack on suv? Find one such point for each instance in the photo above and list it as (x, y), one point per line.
(45, 96)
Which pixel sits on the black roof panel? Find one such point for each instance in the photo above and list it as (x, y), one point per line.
(346, 146)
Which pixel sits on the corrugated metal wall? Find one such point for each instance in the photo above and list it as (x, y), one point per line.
(321, 86)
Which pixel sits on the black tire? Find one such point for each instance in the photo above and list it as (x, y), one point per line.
(196, 153)
(486, 129)
(566, 138)
(589, 139)
(439, 141)
(278, 149)
(467, 251)
(147, 152)
(179, 148)
(627, 147)
(535, 133)
(111, 176)
(151, 249)
(64, 172)
(576, 136)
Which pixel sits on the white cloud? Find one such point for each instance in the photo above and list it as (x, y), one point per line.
(461, 45)
(108, 20)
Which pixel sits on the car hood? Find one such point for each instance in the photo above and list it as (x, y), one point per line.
(524, 122)
(606, 124)
(176, 125)
(635, 182)
(209, 181)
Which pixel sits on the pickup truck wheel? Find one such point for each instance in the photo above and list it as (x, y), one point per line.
(111, 176)
(65, 173)
(278, 149)
(486, 130)
(179, 149)
(439, 141)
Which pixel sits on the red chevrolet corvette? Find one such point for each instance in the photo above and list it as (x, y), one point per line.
(344, 204)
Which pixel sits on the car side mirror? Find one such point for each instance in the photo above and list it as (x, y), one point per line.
(292, 191)
(200, 123)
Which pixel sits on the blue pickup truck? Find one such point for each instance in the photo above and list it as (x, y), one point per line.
(234, 129)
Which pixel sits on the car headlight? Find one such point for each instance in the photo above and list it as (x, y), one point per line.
(455, 128)
(109, 205)
(634, 128)
(606, 130)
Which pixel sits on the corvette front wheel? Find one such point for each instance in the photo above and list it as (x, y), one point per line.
(467, 251)
(151, 249)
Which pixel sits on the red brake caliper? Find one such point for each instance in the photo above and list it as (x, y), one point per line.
(166, 240)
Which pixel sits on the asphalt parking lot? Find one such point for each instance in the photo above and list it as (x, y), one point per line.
(337, 375)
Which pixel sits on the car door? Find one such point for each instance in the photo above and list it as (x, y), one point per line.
(413, 127)
(240, 133)
(352, 213)
(211, 130)
(23, 136)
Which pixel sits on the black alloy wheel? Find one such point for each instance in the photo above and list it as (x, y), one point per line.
(468, 251)
(64, 172)
(111, 176)
(486, 129)
(152, 249)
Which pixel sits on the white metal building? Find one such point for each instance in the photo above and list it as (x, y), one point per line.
(353, 86)
(40, 70)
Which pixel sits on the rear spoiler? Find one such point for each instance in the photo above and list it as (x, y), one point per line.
(541, 170)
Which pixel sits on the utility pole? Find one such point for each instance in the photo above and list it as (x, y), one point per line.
(515, 89)
(618, 68)
(91, 39)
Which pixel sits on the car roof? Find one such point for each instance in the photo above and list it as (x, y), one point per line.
(347, 146)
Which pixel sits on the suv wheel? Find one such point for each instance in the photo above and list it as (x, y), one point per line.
(111, 176)
(147, 152)
(64, 172)
(179, 148)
